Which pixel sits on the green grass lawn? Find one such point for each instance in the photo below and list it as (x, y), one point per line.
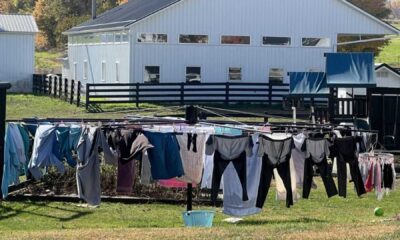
(27, 105)
(316, 218)
(390, 54)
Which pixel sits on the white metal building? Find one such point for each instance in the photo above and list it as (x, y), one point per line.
(17, 49)
(212, 40)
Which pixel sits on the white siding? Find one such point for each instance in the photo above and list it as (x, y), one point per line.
(256, 18)
(17, 60)
(392, 81)
(95, 55)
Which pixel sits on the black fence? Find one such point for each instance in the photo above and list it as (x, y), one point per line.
(184, 93)
(58, 87)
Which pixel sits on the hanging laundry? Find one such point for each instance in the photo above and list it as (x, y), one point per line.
(88, 167)
(14, 158)
(165, 159)
(65, 149)
(192, 150)
(345, 151)
(228, 150)
(44, 148)
(121, 143)
(27, 145)
(233, 202)
(317, 152)
(276, 153)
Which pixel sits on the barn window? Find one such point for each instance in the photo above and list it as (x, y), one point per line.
(316, 42)
(103, 38)
(103, 71)
(276, 75)
(85, 70)
(117, 71)
(152, 38)
(193, 38)
(110, 37)
(277, 41)
(235, 73)
(124, 37)
(382, 74)
(152, 74)
(193, 74)
(235, 40)
(118, 37)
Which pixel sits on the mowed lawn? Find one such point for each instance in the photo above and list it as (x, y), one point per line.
(316, 218)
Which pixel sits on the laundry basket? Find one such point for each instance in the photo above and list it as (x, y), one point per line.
(198, 218)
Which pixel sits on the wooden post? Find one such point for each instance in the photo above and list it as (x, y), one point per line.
(87, 103)
(55, 86)
(227, 93)
(182, 93)
(270, 93)
(60, 83)
(66, 89)
(3, 99)
(50, 84)
(71, 96)
(137, 94)
(78, 94)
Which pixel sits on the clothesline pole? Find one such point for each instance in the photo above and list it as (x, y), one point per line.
(3, 93)
(191, 116)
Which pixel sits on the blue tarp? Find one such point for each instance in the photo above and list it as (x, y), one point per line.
(308, 84)
(355, 70)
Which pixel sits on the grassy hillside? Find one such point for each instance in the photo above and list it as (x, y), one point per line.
(47, 62)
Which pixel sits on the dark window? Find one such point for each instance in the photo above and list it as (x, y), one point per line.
(235, 73)
(193, 74)
(277, 41)
(152, 74)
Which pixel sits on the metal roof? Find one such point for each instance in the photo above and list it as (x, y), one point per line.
(123, 15)
(17, 23)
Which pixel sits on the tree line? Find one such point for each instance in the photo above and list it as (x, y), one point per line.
(56, 16)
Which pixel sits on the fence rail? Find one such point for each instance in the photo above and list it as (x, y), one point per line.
(184, 93)
(57, 87)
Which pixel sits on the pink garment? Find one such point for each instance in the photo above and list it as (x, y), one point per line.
(173, 183)
(369, 182)
(378, 179)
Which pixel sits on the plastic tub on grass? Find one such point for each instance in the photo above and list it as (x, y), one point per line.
(198, 218)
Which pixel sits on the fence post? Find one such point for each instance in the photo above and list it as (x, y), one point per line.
(137, 94)
(87, 103)
(50, 84)
(43, 84)
(3, 99)
(182, 93)
(71, 96)
(34, 86)
(66, 89)
(78, 94)
(55, 84)
(270, 93)
(227, 93)
(60, 83)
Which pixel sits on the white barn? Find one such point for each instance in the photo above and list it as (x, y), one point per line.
(212, 40)
(17, 49)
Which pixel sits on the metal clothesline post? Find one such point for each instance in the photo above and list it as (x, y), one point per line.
(3, 94)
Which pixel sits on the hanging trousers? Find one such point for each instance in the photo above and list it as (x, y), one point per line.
(326, 176)
(267, 171)
(346, 153)
(220, 165)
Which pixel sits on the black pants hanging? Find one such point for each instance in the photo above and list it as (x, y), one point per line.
(326, 176)
(345, 149)
(267, 171)
(220, 165)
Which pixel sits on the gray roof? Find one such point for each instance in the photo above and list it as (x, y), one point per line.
(123, 15)
(18, 23)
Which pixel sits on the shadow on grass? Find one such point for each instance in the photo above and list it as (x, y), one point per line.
(265, 222)
(52, 212)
